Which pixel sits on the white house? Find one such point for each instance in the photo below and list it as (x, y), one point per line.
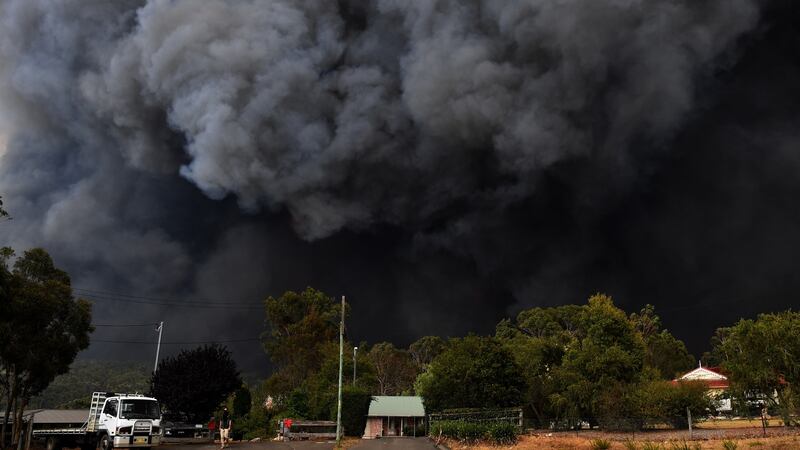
(716, 382)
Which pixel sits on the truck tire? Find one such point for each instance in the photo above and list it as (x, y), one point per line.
(106, 443)
(53, 444)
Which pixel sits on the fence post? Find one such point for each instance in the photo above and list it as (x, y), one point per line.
(689, 416)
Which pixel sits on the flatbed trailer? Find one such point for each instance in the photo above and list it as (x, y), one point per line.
(113, 421)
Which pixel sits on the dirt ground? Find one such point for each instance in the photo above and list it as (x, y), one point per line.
(746, 438)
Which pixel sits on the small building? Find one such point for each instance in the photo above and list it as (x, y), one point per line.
(716, 383)
(395, 416)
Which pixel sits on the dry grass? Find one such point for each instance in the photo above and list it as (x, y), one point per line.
(737, 423)
(569, 441)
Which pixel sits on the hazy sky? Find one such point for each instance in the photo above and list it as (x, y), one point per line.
(444, 164)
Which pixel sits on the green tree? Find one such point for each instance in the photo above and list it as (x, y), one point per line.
(300, 324)
(762, 357)
(610, 352)
(42, 326)
(663, 351)
(668, 355)
(425, 349)
(242, 401)
(395, 372)
(472, 372)
(196, 382)
(321, 387)
(573, 356)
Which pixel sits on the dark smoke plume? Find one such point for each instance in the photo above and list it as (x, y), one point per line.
(443, 162)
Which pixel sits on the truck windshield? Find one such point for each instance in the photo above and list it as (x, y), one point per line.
(139, 409)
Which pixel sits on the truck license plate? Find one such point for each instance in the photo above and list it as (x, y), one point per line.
(140, 440)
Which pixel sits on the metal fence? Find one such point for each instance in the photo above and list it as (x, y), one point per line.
(496, 415)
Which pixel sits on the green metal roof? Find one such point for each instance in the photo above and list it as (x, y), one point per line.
(396, 406)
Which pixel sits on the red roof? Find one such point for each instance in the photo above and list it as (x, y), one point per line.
(710, 384)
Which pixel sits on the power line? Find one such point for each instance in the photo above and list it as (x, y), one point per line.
(142, 300)
(228, 341)
(161, 299)
(124, 325)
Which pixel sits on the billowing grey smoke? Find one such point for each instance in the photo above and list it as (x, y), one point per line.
(283, 106)
(451, 130)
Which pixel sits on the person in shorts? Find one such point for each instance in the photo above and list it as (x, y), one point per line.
(225, 424)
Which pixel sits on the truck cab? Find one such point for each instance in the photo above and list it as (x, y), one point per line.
(129, 421)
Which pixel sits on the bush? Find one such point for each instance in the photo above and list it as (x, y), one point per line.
(630, 444)
(503, 433)
(496, 432)
(600, 444)
(730, 445)
(355, 406)
(652, 446)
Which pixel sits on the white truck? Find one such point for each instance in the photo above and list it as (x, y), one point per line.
(114, 421)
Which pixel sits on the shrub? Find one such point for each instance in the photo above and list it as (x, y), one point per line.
(355, 406)
(683, 445)
(497, 432)
(652, 446)
(630, 444)
(503, 433)
(600, 444)
(729, 445)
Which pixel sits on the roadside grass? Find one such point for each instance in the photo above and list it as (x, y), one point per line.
(570, 442)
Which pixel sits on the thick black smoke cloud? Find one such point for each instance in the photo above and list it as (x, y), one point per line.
(444, 163)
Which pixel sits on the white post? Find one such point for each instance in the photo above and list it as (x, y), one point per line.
(341, 365)
(689, 417)
(355, 349)
(160, 329)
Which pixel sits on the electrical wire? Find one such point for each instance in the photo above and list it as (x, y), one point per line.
(221, 341)
(145, 300)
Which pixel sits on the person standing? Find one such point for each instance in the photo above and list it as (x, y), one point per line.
(225, 424)
(212, 428)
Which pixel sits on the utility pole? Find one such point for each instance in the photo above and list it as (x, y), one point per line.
(341, 365)
(355, 349)
(160, 329)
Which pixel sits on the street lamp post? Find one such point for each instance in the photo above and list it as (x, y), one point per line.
(355, 350)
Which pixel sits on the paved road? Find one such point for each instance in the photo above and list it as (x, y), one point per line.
(366, 444)
(395, 444)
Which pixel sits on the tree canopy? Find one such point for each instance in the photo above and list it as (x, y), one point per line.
(575, 358)
(42, 327)
(425, 349)
(299, 324)
(394, 369)
(762, 358)
(196, 382)
(471, 372)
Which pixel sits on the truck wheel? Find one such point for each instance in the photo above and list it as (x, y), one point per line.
(53, 444)
(106, 443)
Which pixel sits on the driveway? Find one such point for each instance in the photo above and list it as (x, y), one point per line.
(398, 443)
